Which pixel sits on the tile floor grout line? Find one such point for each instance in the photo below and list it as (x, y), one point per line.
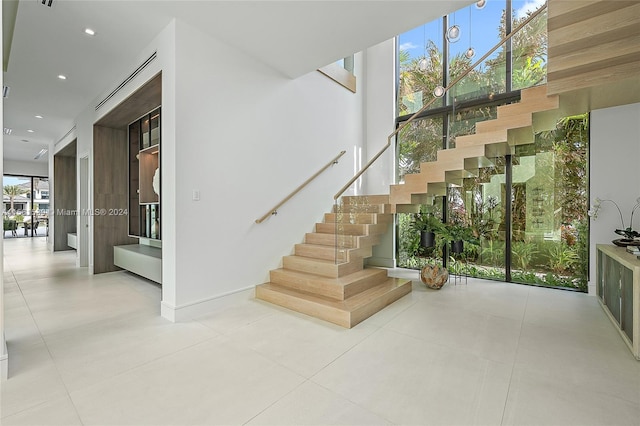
(46, 345)
(277, 400)
(130, 369)
(515, 357)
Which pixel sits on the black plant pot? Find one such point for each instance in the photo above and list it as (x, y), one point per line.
(427, 239)
(457, 246)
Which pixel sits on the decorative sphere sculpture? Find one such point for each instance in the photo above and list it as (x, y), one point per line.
(434, 276)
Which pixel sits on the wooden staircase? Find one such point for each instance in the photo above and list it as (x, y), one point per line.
(515, 125)
(343, 292)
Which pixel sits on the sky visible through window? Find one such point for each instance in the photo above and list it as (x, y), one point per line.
(479, 28)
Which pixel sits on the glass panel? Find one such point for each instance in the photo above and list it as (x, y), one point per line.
(612, 288)
(155, 127)
(478, 205)
(480, 30)
(463, 122)
(421, 70)
(354, 227)
(40, 211)
(21, 202)
(529, 46)
(134, 181)
(415, 251)
(144, 129)
(150, 221)
(601, 265)
(549, 216)
(627, 302)
(419, 142)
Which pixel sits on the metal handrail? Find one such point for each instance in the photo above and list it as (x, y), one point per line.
(274, 210)
(453, 83)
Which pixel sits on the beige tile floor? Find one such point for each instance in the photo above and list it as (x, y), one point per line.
(93, 350)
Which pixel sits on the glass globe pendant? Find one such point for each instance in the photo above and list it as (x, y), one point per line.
(453, 34)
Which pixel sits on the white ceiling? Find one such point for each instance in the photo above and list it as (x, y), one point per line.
(294, 37)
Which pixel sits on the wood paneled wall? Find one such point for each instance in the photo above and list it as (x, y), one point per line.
(592, 43)
(65, 200)
(110, 195)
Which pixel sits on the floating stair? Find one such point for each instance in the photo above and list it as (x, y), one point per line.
(515, 124)
(332, 283)
(343, 292)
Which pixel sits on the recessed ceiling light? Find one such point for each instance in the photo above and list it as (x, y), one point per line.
(38, 116)
(89, 31)
(62, 77)
(30, 131)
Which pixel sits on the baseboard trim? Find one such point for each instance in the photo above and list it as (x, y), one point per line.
(188, 311)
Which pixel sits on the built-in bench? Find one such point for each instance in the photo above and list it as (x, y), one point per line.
(140, 259)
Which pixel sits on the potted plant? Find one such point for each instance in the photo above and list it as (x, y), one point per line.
(457, 234)
(427, 224)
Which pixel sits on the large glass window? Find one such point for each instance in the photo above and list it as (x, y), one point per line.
(523, 208)
(26, 206)
(529, 47)
(420, 64)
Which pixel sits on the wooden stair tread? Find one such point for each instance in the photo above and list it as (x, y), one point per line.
(513, 126)
(338, 288)
(327, 268)
(345, 313)
(319, 251)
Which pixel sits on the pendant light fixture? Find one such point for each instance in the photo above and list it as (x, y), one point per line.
(453, 32)
(471, 52)
(423, 64)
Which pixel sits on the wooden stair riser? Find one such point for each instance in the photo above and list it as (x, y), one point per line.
(365, 199)
(351, 229)
(358, 218)
(347, 313)
(509, 122)
(379, 302)
(482, 138)
(296, 302)
(344, 241)
(321, 267)
(515, 125)
(343, 254)
(361, 208)
(334, 288)
(534, 105)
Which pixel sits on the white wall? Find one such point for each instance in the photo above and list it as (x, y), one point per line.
(379, 92)
(245, 137)
(26, 168)
(614, 157)
(379, 100)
